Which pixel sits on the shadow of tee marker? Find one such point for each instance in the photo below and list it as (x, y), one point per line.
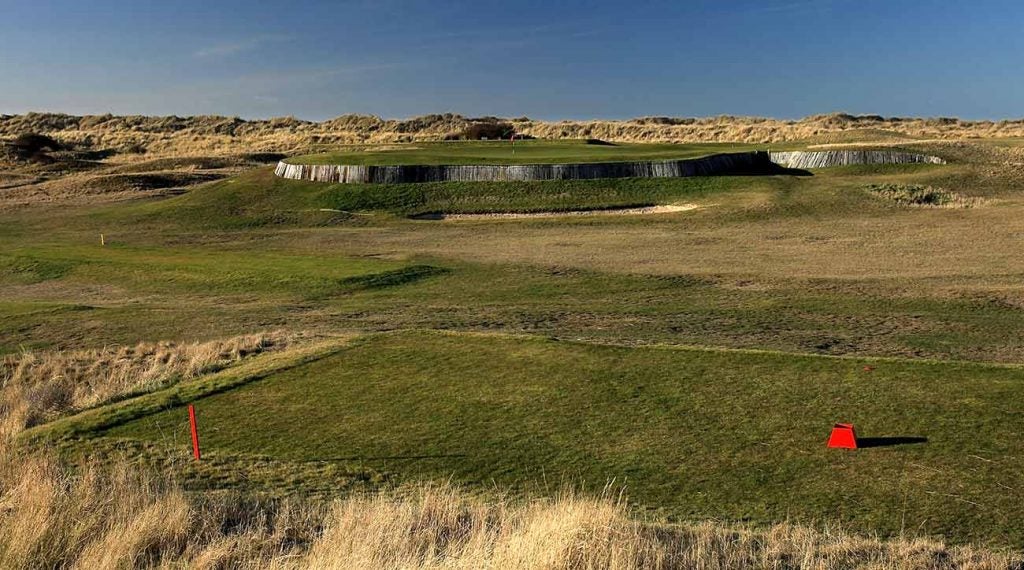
(867, 442)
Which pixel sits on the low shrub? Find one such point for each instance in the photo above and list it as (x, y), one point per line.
(489, 131)
(918, 195)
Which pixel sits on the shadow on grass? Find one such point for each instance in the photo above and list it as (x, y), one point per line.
(773, 169)
(386, 457)
(865, 442)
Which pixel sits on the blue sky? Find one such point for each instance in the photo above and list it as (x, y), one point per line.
(544, 59)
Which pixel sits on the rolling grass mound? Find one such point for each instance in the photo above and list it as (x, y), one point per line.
(146, 182)
(261, 199)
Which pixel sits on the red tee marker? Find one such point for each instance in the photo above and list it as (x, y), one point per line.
(843, 437)
(868, 368)
(195, 431)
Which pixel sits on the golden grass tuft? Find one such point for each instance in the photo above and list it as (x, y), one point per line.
(116, 516)
(119, 515)
(36, 387)
(923, 196)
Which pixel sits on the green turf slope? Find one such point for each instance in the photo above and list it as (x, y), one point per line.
(690, 433)
(260, 199)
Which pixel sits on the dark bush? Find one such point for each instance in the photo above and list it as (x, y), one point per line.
(488, 130)
(265, 157)
(33, 145)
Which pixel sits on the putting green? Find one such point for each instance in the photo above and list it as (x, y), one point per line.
(522, 152)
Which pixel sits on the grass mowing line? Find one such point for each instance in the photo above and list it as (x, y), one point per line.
(106, 417)
(713, 349)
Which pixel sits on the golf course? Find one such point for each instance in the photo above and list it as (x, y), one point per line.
(689, 348)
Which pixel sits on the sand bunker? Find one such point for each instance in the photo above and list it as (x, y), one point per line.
(663, 209)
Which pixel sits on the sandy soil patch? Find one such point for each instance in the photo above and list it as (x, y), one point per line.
(662, 209)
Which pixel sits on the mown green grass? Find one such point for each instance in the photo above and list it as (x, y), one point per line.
(75, 295)
(113, 301)
(149, 269)
(526, 152)
(690, 433)
(236, 256)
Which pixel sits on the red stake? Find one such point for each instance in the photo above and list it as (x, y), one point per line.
(195, 431)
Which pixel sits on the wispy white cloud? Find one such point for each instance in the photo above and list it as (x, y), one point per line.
(227, 49)
(808, 6)
(277, 83)
(292, 76)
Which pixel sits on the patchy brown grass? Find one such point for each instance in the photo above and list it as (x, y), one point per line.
(923, 196)
(36, 387)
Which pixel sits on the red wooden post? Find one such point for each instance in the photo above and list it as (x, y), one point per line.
(195, 431)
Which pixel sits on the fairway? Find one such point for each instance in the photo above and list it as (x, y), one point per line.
(691, 433)
(523, 152)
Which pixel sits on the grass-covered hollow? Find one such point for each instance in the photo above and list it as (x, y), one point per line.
(691, 433)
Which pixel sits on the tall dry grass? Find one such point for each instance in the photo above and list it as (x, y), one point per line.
(182, 136)
(118, 517)
(442, 528)
(36, 387)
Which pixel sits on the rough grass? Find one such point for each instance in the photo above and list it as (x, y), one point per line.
(222, 135)
(117, 516)
(918, 195)
(39, 386)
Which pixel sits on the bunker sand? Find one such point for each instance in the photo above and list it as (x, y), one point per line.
(644, 210)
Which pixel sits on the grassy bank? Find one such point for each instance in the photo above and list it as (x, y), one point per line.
(697, 433)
